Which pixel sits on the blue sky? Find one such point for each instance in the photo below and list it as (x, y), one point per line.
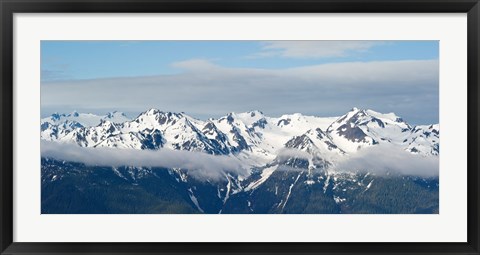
(211, 78)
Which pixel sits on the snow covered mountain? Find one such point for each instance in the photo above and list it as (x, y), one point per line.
(58, 125)
(250, 133)
(424, 140)
(287, 156)
(85, 119)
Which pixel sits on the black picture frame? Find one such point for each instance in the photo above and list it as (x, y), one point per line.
(9, 8)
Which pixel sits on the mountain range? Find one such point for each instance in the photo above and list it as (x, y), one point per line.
(360, 162)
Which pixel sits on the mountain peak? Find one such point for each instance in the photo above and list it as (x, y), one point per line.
(254, 113)
(105, 123)
(115, 114)
(55, 116)
(386, 116)
(361, 111)
(152, 111)
(74, 114)
(358, 116)
(157, 112)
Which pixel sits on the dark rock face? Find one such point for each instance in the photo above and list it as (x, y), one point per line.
(261, 123)
(168, 118)
(210, 129)
(299, 142)
(379, 122)
(284, 122)
(239, 139)
(45, 126)
(219, 142)
(354, 134)
(153, 141)
(230, 119)
(55, 116)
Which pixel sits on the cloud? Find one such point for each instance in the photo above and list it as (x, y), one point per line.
(199, 165)
(50, 75)
(385, 158)
(203, 89)
(313, 49)
(194, 65)
(286, 153)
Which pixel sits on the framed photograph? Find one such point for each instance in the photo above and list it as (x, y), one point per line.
(243, 127)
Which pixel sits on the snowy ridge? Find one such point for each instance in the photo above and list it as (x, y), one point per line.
(304, 142)
(57, 126)
(85, 119)
(250, 134)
